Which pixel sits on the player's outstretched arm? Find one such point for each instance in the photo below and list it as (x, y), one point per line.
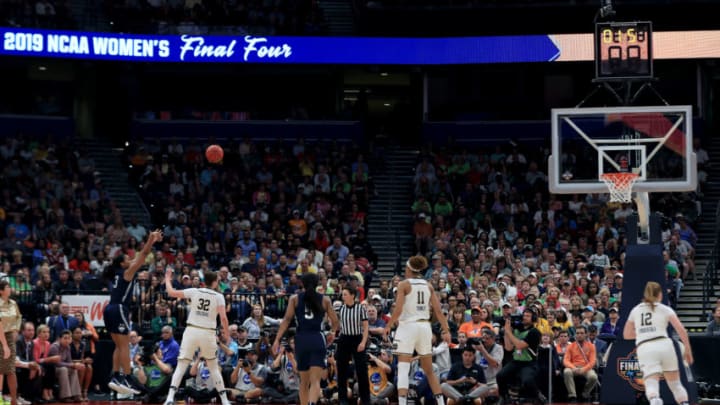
(285, 324)
(224, 323)
(171, 291)
(139, 259)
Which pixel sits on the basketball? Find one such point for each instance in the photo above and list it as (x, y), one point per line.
(214, 153)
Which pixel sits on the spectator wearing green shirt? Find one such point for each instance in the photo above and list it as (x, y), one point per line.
(152, 375)
(163, 317)
(421, 205)
(458, 169)
(19, 283)
(443, 206)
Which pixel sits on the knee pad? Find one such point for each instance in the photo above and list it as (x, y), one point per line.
(678, 391)
(652, 388)
(403, 375)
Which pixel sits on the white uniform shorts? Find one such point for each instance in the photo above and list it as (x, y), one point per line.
(413, 337)
(657, 356)
(198, 338)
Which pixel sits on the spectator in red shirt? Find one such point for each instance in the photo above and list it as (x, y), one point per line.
(80, 263)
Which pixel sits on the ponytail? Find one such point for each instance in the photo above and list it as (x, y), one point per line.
(310, 282)
(652, 293)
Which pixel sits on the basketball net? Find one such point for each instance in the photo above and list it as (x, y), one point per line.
(620, 185)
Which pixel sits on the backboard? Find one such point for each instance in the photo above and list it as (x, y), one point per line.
(653, 142)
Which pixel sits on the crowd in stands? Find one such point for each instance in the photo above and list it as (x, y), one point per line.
(40, 14)
(496, 242)
(229, 17)
(268, 214)
(500, 243)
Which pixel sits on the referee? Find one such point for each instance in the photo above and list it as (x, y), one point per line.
(352, 341)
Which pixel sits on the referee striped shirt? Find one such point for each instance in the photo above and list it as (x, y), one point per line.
(351, 319)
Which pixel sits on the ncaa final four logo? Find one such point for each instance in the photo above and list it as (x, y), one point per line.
(628, 368)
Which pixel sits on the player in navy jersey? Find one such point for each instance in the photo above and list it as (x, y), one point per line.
(117, 313)
(309, 309)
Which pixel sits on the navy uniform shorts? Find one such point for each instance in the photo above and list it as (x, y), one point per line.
(310, 350)
(117, 319)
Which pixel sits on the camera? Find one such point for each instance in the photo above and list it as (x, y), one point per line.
(516, 321)
(147, 353)
(473, 341)
(245, 363)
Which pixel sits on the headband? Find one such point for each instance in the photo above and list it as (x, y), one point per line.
(413, 269)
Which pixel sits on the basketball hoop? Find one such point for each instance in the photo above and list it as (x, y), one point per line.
(620, 185)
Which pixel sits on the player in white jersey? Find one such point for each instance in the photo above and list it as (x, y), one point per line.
(647, 324)
(205, 305)
(414, 300)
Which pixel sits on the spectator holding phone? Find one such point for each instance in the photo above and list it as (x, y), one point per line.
(465, 381)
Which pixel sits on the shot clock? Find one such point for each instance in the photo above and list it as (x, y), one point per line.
(623, 50)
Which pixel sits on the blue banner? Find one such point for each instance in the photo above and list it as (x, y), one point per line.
(288, 50)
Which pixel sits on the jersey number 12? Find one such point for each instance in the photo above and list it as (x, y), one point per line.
(646, 319)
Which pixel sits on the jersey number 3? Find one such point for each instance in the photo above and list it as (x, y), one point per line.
(646, 319)
(203, 305)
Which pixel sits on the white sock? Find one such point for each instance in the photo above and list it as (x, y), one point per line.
(402, 400)
(177, 377)
(218, 379)
(440, 399)
(171, 394)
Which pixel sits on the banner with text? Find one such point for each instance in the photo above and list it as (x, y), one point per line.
(335, 50)
(90, 305)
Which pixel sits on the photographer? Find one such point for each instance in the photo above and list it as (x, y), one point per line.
(489, 357)
(465, 381)
(328, 383)
(200, 387)
(380, 374)
(248, 377)
(523, 342)
(287, 388)
(152, 374)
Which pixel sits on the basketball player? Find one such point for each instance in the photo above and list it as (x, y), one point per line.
(647, 324)
(117, 313)
(205, 305)
(309, 308)
(415, 299)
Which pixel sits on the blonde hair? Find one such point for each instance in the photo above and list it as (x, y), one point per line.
(417, 263)
(42, 328)
(652, 292)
